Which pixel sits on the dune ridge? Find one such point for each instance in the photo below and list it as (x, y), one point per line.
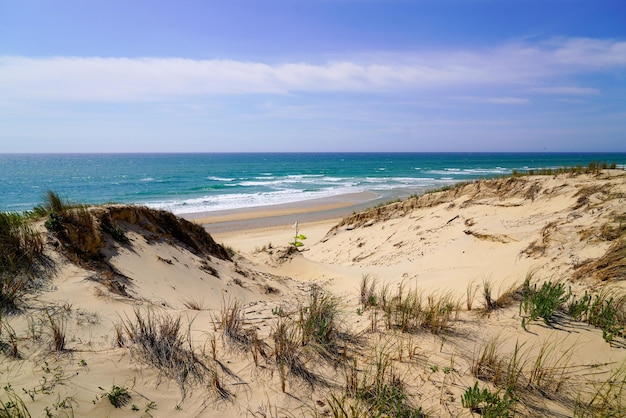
(425, 307)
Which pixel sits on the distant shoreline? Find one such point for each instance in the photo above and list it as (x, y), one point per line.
(287, 214)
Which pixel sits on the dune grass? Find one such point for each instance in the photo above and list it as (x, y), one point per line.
(530, 370)
(21, 247)
(411, 311)
(158, 340)
(11, 405)
(315, 331)
(231, 320)
(378, 390)
(606, 398)
(318, 320)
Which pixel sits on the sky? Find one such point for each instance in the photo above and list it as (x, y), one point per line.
(312, 75)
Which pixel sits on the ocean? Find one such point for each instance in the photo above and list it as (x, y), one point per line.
(194, 183)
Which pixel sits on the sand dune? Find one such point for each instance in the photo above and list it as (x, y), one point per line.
(160, 317)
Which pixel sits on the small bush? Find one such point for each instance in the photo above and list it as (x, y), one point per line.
(54, 223)
(116, 232)
(542, 302)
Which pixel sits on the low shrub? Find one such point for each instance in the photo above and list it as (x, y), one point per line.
(487, 404)
(542, 302)
(119, 396)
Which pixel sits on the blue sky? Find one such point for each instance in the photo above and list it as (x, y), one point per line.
(312, 75)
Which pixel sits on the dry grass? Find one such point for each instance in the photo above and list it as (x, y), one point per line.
(57, 326)
(470, 294)
(157, 340)
(8, 339)
(367, 291)
(21, 247)
(377, 391)
(289, 354)
(504, 299)
(611, 266)
(603, 399)
(194, 304)
(410, 310)
(529, 372)
(231, 321)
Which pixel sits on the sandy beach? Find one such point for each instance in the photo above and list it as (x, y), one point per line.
(423, 298)
(313, 210)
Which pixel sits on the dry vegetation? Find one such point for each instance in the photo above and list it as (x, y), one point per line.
(385, 350)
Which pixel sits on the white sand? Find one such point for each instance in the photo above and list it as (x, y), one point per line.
(460, 239)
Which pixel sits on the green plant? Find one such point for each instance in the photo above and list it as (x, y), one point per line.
(278, 311)
(605, 316)
(298, 238)
(486, 403)
(579, 308)
(119, 396)
(605, 310)
(117, 233)
(542, 302)
(54, 222)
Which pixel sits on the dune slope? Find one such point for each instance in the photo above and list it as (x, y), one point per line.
(400, 310)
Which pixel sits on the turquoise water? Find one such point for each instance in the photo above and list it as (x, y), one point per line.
(191, 183)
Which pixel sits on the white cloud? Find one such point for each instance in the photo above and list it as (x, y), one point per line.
(567, 91)
(146, 79)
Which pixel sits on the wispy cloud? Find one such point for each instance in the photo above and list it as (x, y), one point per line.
(567, 91)
(495, 100)
(148, 79)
